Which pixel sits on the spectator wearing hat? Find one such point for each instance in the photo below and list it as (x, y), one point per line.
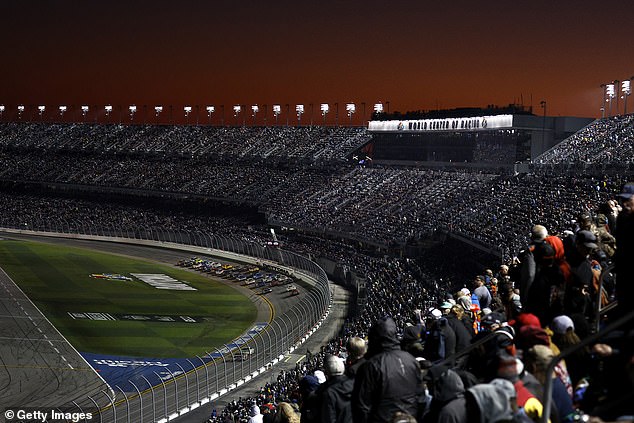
(536, 360)
(482, 359)
(564, 336)
(541, 294)
(440, 339)
(388, 381)
(625, 250)
(335, 394)
(605, 240)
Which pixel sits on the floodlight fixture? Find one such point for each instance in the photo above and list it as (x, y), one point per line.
(236, 110)
(108, 109)
(187, 110)
(132, 109)
(610, 92)
(210, 110)
(299, 109)
(1, 109)
(62, 110)
(255, 109)
(41, 109)
(378, 108)
(626, 89)
(158, 110)
(84, 109)
(277, 109)
(325, 108)
(351, 109)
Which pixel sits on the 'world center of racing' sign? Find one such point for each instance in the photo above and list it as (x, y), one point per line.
(161, 281)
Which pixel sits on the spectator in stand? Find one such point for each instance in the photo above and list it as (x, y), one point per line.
(390, 379)
(335, 394)
(564, 337)
(356, 348)
(536, 360)
(448, 403)
(625, 251)
(440, 338)
(285, 413)
(482, 292)
(255, 415)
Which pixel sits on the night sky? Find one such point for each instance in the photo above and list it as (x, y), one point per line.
(418, 55)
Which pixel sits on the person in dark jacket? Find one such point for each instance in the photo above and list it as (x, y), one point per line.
(440, 340)
(390, 379)
(448, 403)
(625, 251)
(335, 394)
(463, 336)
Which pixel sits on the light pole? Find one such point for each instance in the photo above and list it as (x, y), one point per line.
(187, 110)
(626, 89)
(337, 114)
(210, 111)
(325, 108)
(378, 109)
(157, 112)
(350, 110)
(277, 109)
(255, 109)
(236, 112)
(40, 111)
(20, 111)
(62, 110)
(84, 111)
(108, 110)
(1, 110)
(299, 108)
(132, 110)
(610, 94)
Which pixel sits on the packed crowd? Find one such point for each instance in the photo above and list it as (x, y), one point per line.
(272, 143)
(555, 236)
(606, 142)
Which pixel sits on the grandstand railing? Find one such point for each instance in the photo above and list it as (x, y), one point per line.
(202, 379)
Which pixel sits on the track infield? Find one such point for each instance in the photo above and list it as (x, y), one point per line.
(115, 313)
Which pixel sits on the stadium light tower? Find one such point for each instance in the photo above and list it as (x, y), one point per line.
(626, 89)
(62, 110)
(351, 109)
(210, 111)
(40, 111)
(299, 108)
(325, 108)
(84, 111)
(277, 109)
(187, 110)
(610, 94)
(20, 111)
(132, 110)
(157, 112)
(378, 108)
(236, 112)
(1, 110)
(108, 110)
(255, 109)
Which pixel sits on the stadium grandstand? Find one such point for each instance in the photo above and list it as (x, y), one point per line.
(405, 213)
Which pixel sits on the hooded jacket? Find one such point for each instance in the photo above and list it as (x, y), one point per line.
(390, 379)
(448, 402)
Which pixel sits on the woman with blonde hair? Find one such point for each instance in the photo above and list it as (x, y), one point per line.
(285, 413)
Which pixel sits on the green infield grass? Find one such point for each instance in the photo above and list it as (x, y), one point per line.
(58, 280)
